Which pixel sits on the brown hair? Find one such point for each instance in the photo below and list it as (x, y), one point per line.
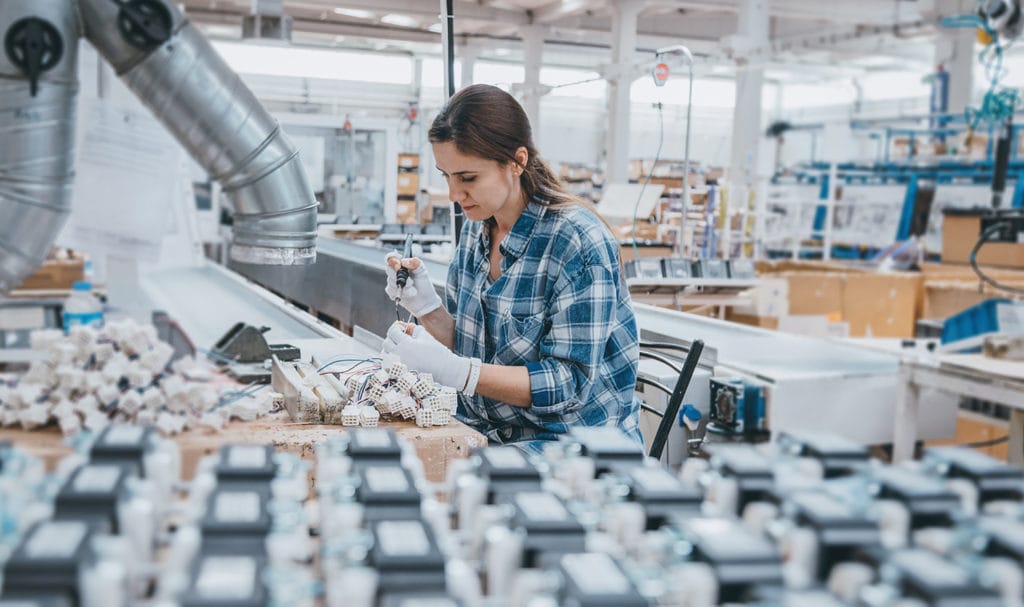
(485, 121)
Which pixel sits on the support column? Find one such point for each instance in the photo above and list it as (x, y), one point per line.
(624, 23)
(746, 117)
(533, 51)
(954, 51)
(468, 56)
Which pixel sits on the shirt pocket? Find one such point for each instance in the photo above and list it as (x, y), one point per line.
(518, 340)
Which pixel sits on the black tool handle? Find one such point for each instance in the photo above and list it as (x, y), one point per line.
(402, 276)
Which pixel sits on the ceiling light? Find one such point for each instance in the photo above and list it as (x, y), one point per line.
(502, 52)
(399, 20)
(354, 12)
(436, 28)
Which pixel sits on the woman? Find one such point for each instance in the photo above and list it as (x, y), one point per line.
(537, 332)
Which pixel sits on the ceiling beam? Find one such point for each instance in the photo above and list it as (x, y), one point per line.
(562, 9)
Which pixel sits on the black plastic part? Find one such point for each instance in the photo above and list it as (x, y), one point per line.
(508, 471)
(596, 580)
(608, 447)
(838, 456)
(402, 276)
(841, 531)
(927, 499)
(937, 581)
(416, 566)
(388, 493)
(92, 494)
(228, 528)
(34, 46)
(374, 446)
(245, 343)
(663, 497)
(1005, 226)
(750, 468)
(740, 558)
(145, 24)
(51, 576)
(246, 464)
(994, 479)
(1002, 162)
(550, 529)
(123, 445)
(198, 595)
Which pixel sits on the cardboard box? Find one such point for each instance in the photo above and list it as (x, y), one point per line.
(54, 274)
(960, 232)
(408, 161)
(408, 184)
(944, 299)
(405, 211)
(763, 322)
(815, 293)
(880, 305)
(976, 428)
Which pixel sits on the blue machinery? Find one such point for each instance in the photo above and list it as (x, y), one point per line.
(908, 172)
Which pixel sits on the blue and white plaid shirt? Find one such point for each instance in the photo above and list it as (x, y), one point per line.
(560, 307)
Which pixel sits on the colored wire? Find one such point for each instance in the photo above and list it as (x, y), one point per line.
(358, 361)
(974, 261)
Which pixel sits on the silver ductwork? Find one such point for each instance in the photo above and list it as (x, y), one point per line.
(208, 108)
(37, 136)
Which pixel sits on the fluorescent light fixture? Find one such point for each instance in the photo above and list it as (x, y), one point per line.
(436, 28)
(354, 12)
(399, 20)
(502, 52)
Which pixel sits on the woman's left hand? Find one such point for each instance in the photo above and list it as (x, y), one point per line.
(421, 352)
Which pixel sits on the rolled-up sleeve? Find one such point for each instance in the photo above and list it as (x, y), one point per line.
(581, 317)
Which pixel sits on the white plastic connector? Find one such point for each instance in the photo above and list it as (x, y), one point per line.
(369, 417)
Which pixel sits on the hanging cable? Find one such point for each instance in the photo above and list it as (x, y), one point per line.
(993, 229)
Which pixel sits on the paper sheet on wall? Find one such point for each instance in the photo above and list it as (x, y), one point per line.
(126, 184)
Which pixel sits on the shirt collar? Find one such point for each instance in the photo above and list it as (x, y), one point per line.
(519, 236)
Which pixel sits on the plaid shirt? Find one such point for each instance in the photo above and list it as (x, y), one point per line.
(560, 307)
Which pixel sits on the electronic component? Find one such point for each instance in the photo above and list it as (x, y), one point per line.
(388, 492)
(596, 580)
(663, 497)
(226, 580)
(644, 267)
(245, 464)
(840, 530)
(550, 530)
(838, 456)
(123, 445)
(741, 269)
(994, 479)
(676, 267)
(93, 493)
(748, 468)
(373, 446)
(737, 408)
(1005, 537)
(939, 582)
(507, 471)
(928, 501)
(407, 558)
(237, 520)
(50, 562)
(740, 558)
(607, 446)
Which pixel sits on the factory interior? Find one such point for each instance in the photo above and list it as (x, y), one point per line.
(511, 303)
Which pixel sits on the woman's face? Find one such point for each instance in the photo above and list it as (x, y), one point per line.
(483, 187)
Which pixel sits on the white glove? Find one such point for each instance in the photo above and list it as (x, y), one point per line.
(421, 352)
(418, 296)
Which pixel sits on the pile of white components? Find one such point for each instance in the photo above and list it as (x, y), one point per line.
(363, 394)
(121, 372)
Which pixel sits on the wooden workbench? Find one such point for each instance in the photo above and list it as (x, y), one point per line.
(437, 446)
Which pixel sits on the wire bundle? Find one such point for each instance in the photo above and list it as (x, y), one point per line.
(376, 388)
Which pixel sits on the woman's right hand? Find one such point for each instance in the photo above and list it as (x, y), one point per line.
(418, 296)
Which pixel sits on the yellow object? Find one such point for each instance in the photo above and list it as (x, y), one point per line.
(983, 37)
